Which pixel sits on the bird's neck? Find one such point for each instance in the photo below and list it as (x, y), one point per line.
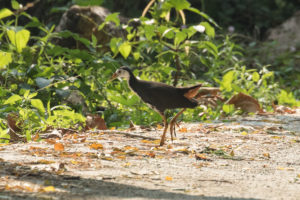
(132, 81)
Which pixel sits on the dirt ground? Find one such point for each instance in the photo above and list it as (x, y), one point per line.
(255, 157)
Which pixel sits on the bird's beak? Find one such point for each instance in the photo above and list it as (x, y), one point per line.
(113, 77)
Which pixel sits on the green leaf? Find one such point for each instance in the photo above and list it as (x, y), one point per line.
(30, 96)
(209, 30)
(4, 12)
(179, 37)
(19, 39)
(42, 82)
(149, 31)
(11, 100)
(255, 77)
(136, 55)
(15, 5)
(205, 16)
(38, 104)
(88, 2)
(5, 59)
(179, 4)
(125, 49)
(114, 44)
(228, 108)
(114, 17)
(211, 48)
(94, 40)
(26, 93)
(227, 80)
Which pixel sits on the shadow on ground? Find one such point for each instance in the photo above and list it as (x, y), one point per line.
(75, 187)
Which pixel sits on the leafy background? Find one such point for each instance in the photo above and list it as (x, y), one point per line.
(221, 49)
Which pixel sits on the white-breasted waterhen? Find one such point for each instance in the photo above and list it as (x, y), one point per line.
(160, 96)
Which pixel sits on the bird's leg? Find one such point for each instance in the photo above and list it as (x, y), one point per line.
(162, 140)
(173, 122)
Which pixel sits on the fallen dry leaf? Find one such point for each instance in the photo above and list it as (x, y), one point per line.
(158, 126)
(183, 130)
(59, 147)
(95, 121)
(202, 156)
(42, 161)
(96, 146)
(267, 155)
(168, 178)
(48, 189)
(245, 103)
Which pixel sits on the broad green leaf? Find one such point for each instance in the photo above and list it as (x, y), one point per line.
(255, 77)
(26, 93)
(11, 100)
(4, 12)
(209, 30)
(5, 59)
(149, 31)
(179, 4)
(125, 49)
(30, 96)
(15, 5)
(114, 17)
(136, 55)
(190, 31)
(38, 104)
(227, 80)
(19, 38)
(179, 37)
(42, 82)
(114, 45)
(228, 108)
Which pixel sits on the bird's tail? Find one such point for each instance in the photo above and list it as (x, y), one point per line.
(208, 95)
(192, 91)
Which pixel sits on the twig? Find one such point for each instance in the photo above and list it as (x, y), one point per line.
(124, 133)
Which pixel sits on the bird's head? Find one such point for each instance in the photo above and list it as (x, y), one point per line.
(122, 72)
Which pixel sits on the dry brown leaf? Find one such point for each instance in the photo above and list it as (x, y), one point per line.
(95, 121)
(107, 158)
(59, 147)
(151, 154)
(267, 155)
(158, 126)
(51, 141)
(147, 141)
(283, 109)
(42, 161)
(168, 178)
(202, 156)
(245, 103)
(183, 130)
(96, 146)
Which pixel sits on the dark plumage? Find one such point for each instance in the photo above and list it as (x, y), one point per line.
(160, 96)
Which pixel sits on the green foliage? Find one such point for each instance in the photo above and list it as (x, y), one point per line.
(36, 72)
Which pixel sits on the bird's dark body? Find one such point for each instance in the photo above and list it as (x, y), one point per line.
(161, 96)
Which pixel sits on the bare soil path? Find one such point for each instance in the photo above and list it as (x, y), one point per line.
(255, 157)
